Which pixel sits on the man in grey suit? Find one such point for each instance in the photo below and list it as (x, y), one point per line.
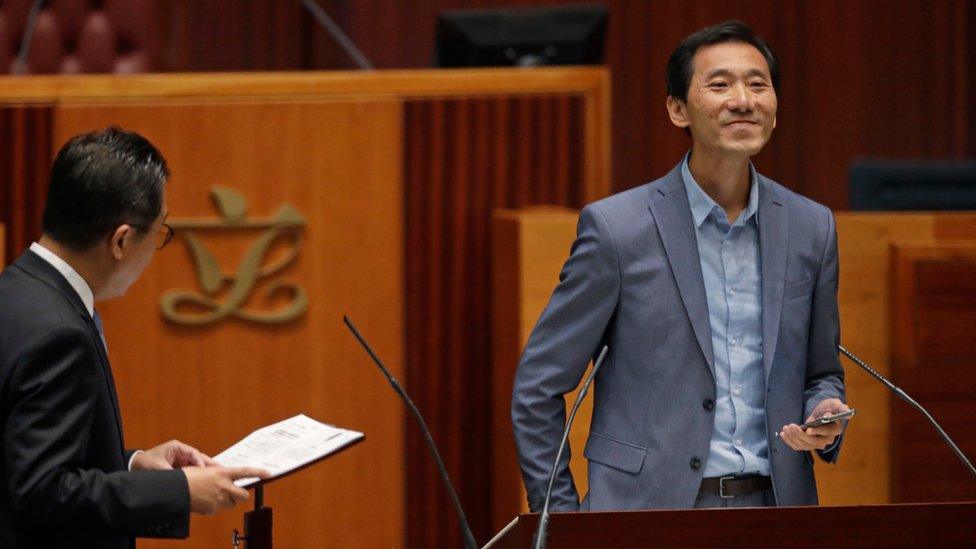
(715, 289)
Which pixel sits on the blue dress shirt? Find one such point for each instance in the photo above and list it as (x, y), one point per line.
(729, 255)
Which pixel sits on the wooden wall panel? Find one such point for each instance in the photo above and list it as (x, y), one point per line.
(537, 245)
(338, 164)
(25, 165)
(465, 158)
(871, 78)
(934, 360)
(530, 247)
(472, 140)
(868, 243)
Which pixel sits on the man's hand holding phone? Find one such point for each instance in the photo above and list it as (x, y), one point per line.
(820, 437)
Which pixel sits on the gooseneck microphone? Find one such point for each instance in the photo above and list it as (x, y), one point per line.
(904, 396)
(336, 33)
(20, 65)
(469, 542)
(541, 532)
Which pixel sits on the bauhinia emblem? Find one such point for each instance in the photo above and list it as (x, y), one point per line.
(192, 308)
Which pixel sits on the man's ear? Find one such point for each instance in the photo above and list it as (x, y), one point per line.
(678, 111)
(122, 238)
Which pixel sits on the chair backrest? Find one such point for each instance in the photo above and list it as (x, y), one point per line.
(913, 185)
(83, 36)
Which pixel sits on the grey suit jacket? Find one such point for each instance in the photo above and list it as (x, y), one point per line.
(633, 281)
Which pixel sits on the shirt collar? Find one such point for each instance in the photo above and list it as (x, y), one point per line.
(702, 204)
(67, 271)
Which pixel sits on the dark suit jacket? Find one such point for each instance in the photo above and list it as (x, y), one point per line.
(63, 477)
(634, 281)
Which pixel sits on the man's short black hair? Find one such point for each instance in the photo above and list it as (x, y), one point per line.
(101, 180)
(680, 68)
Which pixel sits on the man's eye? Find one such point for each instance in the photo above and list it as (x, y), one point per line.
(758, 85)
(718, 85)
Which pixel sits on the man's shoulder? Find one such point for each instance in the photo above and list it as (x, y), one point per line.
(797, 203)
(633, 201)
(29, 305)
(20, 288)
(627, 200)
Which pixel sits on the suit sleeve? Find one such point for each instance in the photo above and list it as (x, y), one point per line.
(53, 396)
(565, 339)
(825, 375)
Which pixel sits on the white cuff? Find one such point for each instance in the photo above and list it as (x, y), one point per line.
(131, 459)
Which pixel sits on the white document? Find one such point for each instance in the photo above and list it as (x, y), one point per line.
(285, 446)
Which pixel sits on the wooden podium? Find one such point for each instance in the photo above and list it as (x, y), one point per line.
(912, 525)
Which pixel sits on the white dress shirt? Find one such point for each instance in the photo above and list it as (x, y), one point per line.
(71, 275)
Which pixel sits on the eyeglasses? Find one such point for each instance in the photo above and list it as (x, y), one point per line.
(164, 235)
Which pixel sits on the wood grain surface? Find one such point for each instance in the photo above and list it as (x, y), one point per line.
(933, 360)
(464, 158)
(338, 164)
(461, 142)
(25, 166)
(880, 526)
(399, 83)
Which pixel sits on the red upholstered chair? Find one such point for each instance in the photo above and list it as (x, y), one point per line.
(83, 36)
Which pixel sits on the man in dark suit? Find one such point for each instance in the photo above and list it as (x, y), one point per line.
(715, 289)
(66, 479)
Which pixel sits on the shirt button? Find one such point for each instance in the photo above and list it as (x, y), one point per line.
(737, 391)
(732, 293)
(735, 341)
(708, 404)
(695, 463)
(738, 442)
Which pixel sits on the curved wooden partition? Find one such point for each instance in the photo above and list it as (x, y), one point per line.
(299, 198)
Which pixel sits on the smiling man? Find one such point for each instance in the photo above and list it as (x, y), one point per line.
(66, 479)
(716, 291)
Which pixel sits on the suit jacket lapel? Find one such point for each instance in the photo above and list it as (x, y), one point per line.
(45, 272)
(773, 250)
(672, 215)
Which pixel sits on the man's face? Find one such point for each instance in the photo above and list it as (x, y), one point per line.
(731, 107)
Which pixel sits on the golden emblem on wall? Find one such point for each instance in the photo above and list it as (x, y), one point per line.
(226, 293)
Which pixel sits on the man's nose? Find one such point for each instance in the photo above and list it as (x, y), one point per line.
(740, 98)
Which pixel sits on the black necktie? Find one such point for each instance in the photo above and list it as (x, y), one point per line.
(101, 332)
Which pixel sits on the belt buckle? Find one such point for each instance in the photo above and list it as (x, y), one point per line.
(721, 487)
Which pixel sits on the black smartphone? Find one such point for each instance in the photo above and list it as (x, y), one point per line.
(828, 419)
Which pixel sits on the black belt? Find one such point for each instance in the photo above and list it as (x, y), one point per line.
(732, 486)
